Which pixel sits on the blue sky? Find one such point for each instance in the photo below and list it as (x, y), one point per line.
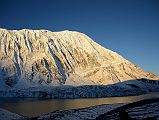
(129, 27)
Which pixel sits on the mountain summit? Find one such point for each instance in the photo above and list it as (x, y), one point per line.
(42, 57)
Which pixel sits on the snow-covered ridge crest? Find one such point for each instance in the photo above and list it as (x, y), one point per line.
(41, 57)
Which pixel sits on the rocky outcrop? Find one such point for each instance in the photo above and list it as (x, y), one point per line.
(41, 57)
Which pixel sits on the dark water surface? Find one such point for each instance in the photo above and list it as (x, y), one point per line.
(34, 107)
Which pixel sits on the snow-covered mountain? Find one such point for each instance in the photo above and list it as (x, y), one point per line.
(42, 57)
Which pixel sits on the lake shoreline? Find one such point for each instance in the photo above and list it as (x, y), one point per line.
(35, 107)
(94, 112)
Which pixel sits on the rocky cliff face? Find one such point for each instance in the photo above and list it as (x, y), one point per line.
(41, 57)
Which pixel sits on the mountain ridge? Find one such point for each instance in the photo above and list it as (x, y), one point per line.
(42, 57)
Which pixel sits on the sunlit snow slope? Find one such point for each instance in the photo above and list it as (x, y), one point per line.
(42, 57)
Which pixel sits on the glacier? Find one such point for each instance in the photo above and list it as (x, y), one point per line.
(127, 88)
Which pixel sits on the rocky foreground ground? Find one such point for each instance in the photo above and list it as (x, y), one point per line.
(141, 110)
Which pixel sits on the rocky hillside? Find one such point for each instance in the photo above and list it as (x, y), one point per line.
(42, 57)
